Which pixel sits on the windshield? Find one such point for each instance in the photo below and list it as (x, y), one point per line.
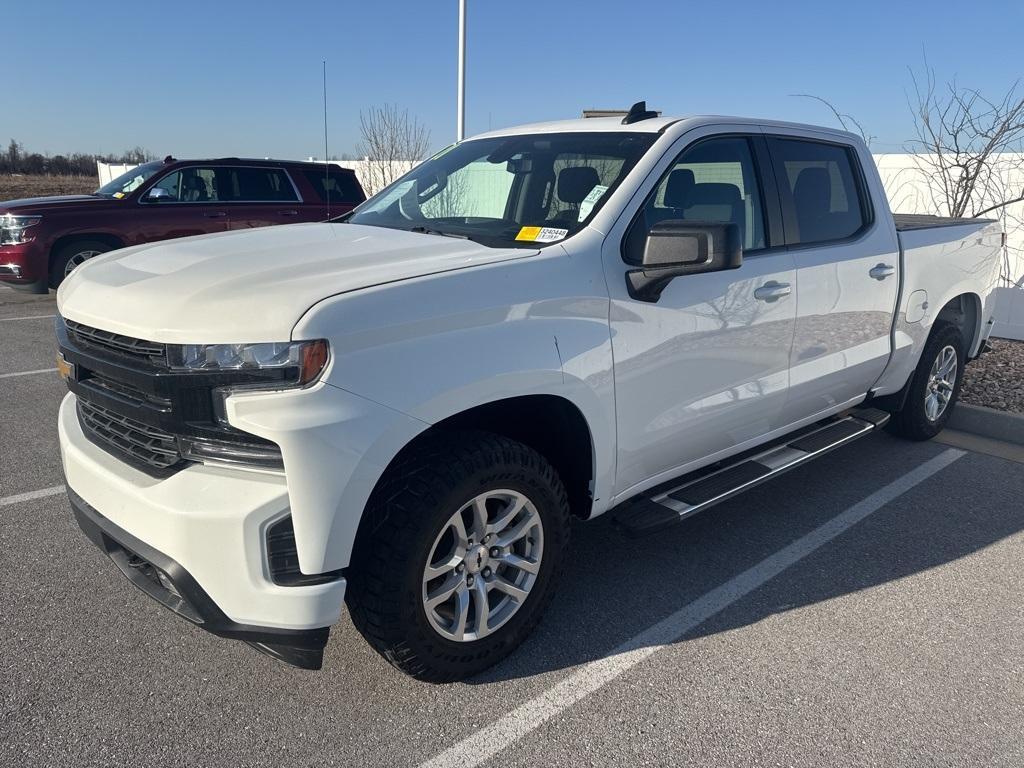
(130, 181)
(524, 190)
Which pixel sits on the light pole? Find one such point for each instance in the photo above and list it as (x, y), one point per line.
(460, 131)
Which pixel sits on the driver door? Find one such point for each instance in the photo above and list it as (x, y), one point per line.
(703, 371)
(191, 207)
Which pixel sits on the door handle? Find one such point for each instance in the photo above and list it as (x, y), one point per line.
(772, 291)
(881, 271)
(215, 215)
(288, 213)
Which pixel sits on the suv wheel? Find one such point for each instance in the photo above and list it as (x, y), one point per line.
(935, 387)
(73, 255)
(458, 555)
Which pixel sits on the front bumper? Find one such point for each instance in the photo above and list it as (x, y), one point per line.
(23, 263)
(205, 528)
(168, 583)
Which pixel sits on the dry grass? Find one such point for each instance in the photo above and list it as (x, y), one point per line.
(15, 187)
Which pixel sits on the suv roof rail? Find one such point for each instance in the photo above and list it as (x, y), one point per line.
(637, 113)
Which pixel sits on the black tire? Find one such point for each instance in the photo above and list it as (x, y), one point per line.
(408, 511)
(912, 421)
(69, 253)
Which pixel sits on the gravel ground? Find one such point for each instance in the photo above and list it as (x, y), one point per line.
(996, 379)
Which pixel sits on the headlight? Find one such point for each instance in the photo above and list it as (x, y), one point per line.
(301, 361)
(12, 228)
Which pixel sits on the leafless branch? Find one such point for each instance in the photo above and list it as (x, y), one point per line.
(392, 141)
(844, 119)
(967, 145)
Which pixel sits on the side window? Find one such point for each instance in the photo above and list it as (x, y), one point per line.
(336, 186)
(820, 190)
(191, 185)
(171, 183)
(713, 181)
(259, 185)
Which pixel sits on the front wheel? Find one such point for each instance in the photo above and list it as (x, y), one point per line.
(72, 256)
(935, 387)
(458, 554)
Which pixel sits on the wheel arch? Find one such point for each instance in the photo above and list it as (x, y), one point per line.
(551, 424)
(963, 311)
(112, 240)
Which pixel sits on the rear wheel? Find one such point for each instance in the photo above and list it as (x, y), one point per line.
(73, 255)
(458, 555)
(935, 387)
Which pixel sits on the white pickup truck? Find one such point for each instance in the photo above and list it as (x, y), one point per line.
(402, 410)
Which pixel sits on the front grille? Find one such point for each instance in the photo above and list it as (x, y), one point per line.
(115, 342)
(159, 420)
(143, 443)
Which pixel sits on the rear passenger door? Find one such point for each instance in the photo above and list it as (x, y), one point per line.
(260, 196)
(704, 370)
(847, 282)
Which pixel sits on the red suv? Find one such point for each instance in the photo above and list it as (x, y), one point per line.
(43, 238)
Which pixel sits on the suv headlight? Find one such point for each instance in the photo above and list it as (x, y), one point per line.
(12, 228)
(301, 362)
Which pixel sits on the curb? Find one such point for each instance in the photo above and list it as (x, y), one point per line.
(988, 422)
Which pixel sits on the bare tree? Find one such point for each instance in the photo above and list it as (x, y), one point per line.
(847, 121)
(392, 142)
(968, 144)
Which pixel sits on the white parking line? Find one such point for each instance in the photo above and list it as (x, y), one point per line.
(26, 373)
(26, 317)
(499, 735)
(30, 495)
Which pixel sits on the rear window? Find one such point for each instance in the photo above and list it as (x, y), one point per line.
(257, 185)
(821, 189)
(336, 186)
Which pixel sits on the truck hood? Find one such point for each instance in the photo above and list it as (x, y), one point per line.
(252, 286)
(27, 205)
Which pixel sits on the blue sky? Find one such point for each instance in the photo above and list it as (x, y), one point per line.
(243, 78)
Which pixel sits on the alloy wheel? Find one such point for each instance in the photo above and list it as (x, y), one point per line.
(482, 565)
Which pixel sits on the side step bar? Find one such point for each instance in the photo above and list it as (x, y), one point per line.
(662, 508)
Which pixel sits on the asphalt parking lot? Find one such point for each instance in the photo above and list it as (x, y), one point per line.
(864, 610)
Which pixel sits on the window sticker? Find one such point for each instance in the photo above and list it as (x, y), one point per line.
(591, 200)
(118, 195)
(541, 234)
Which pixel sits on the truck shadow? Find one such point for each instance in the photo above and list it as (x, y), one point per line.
(615, 587)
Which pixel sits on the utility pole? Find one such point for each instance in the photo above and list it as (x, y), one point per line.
(460, 132)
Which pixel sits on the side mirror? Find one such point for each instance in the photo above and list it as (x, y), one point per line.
(156, 194)
(675, 248)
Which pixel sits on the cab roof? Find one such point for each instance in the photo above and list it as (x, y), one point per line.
(655, 125)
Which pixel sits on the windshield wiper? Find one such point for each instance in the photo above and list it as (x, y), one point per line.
(425, 231)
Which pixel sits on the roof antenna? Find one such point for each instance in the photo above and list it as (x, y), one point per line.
(637, 113)
(327, 189)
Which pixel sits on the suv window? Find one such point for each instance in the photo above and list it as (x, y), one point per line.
(712, 181)
(191, 185)
(336, 186)
(258, 185)
(822, 196)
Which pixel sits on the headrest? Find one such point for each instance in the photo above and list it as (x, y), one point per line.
(814, 188)
(714, 194)
(677, 190)
(575, 183)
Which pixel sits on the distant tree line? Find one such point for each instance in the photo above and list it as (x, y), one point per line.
(16, 160)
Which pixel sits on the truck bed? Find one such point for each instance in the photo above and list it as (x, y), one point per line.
(909, 221)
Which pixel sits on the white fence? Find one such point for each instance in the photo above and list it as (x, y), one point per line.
(110, 171)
